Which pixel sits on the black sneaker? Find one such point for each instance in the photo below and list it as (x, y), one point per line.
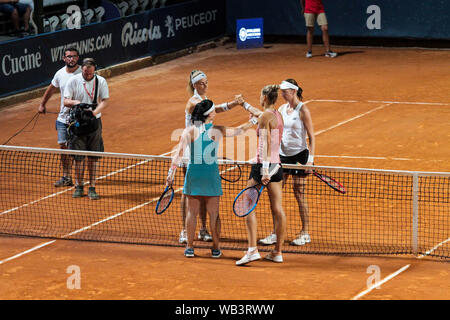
(92, 194)
(78, 193)
(64, 182)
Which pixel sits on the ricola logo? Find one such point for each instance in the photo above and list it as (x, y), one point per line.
(132, 35)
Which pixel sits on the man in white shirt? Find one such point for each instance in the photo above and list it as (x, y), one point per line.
(82, 88)
(59, 81)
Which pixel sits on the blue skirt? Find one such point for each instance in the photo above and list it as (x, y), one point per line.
(202, 180)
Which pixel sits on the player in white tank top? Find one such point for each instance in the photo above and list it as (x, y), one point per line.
(294, 133)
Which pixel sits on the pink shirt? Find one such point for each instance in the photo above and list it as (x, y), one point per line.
(314, 6)
(276, 135)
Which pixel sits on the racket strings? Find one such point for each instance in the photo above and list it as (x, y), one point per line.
(246, 201)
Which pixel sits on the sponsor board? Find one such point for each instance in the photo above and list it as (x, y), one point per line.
(31, 62)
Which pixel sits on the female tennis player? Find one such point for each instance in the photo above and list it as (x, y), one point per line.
(270, 131)
(197, 88)
(202, 181)
(294, 149)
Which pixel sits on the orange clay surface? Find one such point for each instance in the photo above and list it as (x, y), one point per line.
(371, 108)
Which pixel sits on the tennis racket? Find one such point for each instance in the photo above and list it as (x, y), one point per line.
(332, 183)
(246, 201)
(165, 200)
(231, 172)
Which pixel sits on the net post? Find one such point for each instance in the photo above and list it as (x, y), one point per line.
(415, 213)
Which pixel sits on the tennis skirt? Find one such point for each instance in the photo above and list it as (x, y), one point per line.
(255, 174)
(202, 180)
(301, 157)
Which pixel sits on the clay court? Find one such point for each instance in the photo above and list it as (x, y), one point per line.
(378, 108)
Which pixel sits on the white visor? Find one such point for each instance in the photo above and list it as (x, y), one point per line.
(287, 85)
(198, 77)
(210, 110)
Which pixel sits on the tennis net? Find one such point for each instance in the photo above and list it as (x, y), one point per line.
(382, 212)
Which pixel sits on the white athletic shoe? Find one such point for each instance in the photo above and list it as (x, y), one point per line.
(249, 257)
(274, 258)
(331, 54)
(301, 240)
(309, 54)
(204, 235)
(183, 237)
(270, 239)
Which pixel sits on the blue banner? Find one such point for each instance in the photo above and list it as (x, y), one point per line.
(416, 19)
(31, 62)
(250, 33)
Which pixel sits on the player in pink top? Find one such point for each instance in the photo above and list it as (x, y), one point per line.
(270, 132)
(313, 11)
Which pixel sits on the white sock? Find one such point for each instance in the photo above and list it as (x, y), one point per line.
(252, 249)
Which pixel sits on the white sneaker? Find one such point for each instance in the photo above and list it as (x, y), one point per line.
(301, 240)
(274, 258)
(183, 237)
(309, 54)
(249, 257)
(204, 235)
(270, 239)
(331, 54)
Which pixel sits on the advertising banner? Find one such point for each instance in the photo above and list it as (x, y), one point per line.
(31, 62)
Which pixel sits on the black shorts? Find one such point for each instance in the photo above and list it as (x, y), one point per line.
(89, 142)
(255, 173)
(301, 158)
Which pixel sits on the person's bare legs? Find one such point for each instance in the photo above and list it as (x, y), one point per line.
(276, 195)
(299, 193)
(309, 38)
(325, 37)
(212, 207)
(191, 219)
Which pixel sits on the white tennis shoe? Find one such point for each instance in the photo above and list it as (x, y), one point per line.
(270, 239)
(249, 257)
(183, 237)
(302, 239)
(274, 258)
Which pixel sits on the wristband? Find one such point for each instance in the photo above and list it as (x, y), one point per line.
(265, 164)
(311, 158)
(224, 106)
(172, 170)
(246, 106)
(253, 120)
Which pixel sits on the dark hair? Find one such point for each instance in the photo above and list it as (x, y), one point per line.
(299, 91)
(71, 49)
(199, 109)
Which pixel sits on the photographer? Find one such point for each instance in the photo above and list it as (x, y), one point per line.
(88, 93)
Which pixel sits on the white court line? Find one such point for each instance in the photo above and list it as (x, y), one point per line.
(79, 230)
(66, 190)
(433, 249)
(376, 101)
(27, 251)
(376, 285)
(351, 119)
(376, 158)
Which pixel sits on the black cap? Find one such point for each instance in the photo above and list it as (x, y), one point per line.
(89, 62)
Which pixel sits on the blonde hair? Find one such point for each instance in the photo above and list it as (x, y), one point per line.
(193, 74)
(271, 92)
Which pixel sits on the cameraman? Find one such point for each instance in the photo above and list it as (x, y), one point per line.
(82, 89)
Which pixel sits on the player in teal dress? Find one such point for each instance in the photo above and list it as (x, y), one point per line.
(202, 182)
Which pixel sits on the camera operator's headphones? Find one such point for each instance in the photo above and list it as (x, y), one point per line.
(89, 62)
